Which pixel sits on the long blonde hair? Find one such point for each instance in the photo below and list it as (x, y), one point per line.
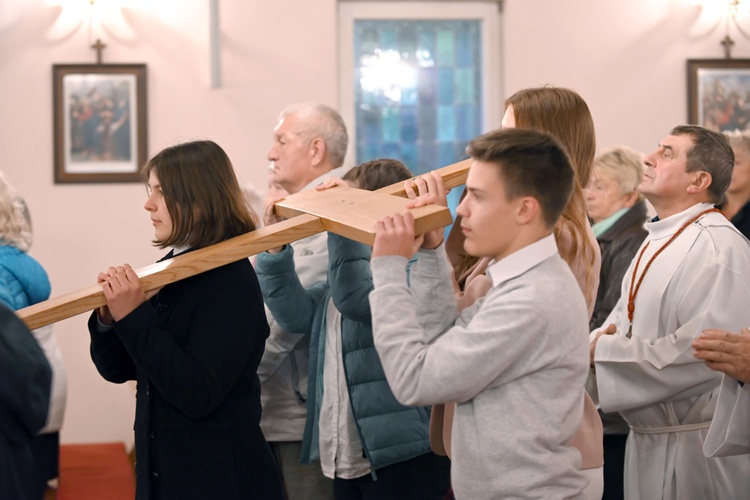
(564, 114)
(15, 229)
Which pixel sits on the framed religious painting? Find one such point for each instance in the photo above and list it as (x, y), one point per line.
(719, 93)
(100, 125)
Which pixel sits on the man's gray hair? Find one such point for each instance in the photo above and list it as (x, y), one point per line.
(320, 121)
(710, 153)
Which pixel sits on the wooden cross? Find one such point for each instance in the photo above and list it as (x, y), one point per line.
(727, 43)
(349, 212)
(98, 47)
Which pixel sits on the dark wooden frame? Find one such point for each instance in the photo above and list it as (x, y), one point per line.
(734, 75)
(89, 167)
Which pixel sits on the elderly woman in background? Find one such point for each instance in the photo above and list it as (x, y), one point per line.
(24, 282)
(618, 212)
(736, 205)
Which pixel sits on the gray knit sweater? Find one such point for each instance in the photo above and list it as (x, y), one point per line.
(515, 362)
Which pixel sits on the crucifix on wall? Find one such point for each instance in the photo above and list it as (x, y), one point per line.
(727, 42)
(99, 48)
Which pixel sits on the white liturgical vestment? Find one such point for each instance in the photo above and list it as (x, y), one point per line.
(700, 280)
(730, 429)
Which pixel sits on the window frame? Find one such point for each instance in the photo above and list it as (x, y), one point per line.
(488, 12)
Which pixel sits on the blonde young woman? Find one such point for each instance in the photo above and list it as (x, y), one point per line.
(564, 114)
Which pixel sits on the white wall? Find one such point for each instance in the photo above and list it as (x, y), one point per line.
(627, 59)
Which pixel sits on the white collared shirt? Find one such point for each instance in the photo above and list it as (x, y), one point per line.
(522, 260)
(338, 438)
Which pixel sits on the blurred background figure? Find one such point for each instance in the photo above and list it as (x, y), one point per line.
(24, 282)
(618, 212)
(24, 400)
(736, 205)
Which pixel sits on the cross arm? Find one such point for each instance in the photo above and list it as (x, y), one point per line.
(300, 226)
(177, 268)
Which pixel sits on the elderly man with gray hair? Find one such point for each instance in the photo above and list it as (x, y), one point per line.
(309, 146)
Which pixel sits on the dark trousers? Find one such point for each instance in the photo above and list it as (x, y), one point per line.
(614, 466)
(424, 477)
(46, 451)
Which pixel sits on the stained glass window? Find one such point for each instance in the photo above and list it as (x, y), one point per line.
(417, 90)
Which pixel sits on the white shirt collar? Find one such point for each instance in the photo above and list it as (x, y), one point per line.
(667, 227)
(178, 250)
(522, 260)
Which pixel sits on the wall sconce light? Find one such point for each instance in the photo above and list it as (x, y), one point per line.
(731, 11)
(735, 9)
(99, 20)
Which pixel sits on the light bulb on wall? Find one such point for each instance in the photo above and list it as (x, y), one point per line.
(735, 9)
(95, 20)
(739, 7)
(730, 13)
(721, 8)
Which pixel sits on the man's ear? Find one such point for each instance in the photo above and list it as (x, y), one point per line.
(528, 209)
(700, 182)
(317, 151)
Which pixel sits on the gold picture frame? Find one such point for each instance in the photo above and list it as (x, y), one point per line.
(719, 93)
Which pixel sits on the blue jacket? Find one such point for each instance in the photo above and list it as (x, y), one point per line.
(23, 281)
(390, 432)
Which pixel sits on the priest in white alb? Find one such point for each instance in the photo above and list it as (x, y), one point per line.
(691, 273)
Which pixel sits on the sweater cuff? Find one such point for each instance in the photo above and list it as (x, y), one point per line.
(388, 269)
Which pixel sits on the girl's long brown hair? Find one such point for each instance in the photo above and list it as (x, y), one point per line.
(202, 195)
(564, 114)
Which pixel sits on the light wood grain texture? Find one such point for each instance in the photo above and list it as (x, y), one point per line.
(301, 226)
(180, 267)
(453, 176)
(353, 212)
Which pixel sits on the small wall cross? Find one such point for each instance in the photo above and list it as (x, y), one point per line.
(98, 47)
(727, 43)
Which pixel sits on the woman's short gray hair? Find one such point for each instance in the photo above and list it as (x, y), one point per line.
(623, 165)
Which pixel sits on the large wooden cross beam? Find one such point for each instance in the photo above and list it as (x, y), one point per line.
(349, 212)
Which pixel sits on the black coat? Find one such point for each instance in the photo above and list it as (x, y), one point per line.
(619, 245)
(194, 349)
(741, 220)
(25, 382)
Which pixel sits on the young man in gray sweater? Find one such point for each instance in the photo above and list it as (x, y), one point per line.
(516, 361)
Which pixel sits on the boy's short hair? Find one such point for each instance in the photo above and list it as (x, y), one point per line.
(530, 163)
(377, 174)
